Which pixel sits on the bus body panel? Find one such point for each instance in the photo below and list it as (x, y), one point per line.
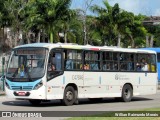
(56, 86)
(109, 86)
(91, 83)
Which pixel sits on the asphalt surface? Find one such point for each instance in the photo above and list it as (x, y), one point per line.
(85, 106)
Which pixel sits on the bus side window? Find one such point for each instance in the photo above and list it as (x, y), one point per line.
(94, 66)
(152, 65)
(69, 64)
(73, 59)
(58, 58)
(91, 60)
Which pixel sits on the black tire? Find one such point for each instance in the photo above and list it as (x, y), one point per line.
(69, 96)
(127, 93)
(76, 102)
(35, 102)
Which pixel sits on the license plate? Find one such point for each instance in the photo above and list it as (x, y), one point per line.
(21, 93)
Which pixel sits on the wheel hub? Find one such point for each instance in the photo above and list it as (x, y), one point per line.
(127, 93)
(69, 95)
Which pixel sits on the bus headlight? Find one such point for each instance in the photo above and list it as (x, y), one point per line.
(38, 85)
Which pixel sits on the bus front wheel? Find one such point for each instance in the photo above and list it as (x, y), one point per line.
(127, 93)
(69, 96)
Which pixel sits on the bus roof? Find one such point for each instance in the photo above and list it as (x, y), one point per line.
(154, 49)
(85, 47)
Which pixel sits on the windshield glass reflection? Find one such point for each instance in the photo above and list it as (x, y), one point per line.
(27, 63)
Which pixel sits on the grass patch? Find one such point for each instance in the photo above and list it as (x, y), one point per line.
(149, 109)
(115, 118)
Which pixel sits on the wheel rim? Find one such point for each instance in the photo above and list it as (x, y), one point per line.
(127, 93)
(69, 96)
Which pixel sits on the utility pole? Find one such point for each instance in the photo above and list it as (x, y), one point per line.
(3, 63)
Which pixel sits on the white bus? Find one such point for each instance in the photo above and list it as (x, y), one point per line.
(44, 71)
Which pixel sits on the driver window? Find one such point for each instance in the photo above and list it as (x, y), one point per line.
(54, 65)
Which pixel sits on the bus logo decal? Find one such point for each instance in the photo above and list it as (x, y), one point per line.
(21, 87)
(116, 77)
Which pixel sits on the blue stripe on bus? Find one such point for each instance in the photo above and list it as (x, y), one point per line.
(24, 85)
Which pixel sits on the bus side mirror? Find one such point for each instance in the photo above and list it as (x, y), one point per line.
(3, 61)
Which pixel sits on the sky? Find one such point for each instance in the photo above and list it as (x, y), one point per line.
(145, 7)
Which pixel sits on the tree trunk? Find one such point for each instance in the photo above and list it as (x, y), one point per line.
(119, 41)
(39, 37)
(151, 41)
(147, 41)
(84, 30)
(20, 38)
(3, 40)
(16, 38)
(28, 38)
(51, 37)
(65, 37)
(3, 35)
(43, 37)
(132, 42)
(104, 43)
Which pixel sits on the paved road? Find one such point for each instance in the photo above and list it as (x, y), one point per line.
(110, 104)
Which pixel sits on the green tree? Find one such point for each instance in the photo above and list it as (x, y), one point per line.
(6, 20)
(102, 22)
(112, 22)
(137, 31)
(14, 7)
(93, 34)
(157, 37)
(153, 31)
(44, 14)
(67, 25)
(115, 23)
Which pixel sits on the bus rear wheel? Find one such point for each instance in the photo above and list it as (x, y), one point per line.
(35, 102)
(69, 96)
(127, 93)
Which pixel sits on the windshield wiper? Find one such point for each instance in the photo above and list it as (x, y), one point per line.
(14, 74)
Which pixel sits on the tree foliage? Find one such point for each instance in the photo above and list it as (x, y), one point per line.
(54, 20)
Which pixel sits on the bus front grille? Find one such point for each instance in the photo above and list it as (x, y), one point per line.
(26, 88)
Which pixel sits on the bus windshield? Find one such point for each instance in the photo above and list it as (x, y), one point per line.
(27, 64)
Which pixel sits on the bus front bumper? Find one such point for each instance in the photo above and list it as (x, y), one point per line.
(32, 94)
